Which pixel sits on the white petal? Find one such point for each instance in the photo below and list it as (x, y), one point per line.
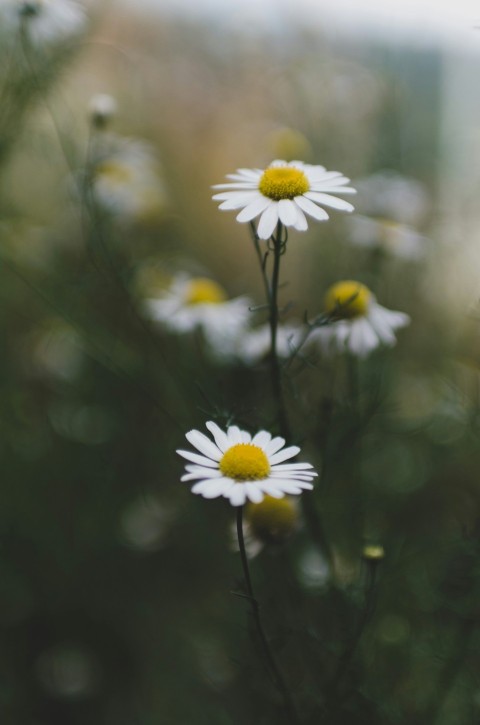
(291, 475)
(284, 454)
(289, 486)
(332, 189)
(270, 489)
(293, 467)
(253, 492)
(363, 338)
(254, 208)
(274, 445)
(315, 211)
(236, 494)
(234, 435)
(237, 202)
(212, 489)
(204, 444)
(328, 200)
(195, 458)
(220, 437)
(287, 213)
(301, 224)
(261, 438)
(268, 221)
(237, 186)
(202, 473)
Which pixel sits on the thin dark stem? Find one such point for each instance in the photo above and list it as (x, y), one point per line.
(277, 245)
(277, 387)
(345, 661)
(255, 607)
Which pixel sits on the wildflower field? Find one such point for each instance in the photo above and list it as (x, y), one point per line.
(240, 384)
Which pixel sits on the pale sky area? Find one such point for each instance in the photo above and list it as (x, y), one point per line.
(424, 21)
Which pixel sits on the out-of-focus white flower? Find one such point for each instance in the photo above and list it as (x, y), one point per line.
(125, 179)
(254, 345)
(360, 324)
(102, 107)
(268, 523)
(389, 236)
(284, 192)
(389, 195)
(243, 468)
(44, 22)
(192, 303)
(391, 206)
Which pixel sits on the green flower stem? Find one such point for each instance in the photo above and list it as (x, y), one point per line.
(277, 246)
(276, 675)
(335, 697)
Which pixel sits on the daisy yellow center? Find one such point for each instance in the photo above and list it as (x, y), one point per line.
(245, 462)
(283, 182)
(273, 519)
(114, 172)
(347, 300)
(203, 291)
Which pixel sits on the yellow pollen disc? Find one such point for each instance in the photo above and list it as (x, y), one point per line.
(347, 300)
(245, 462)
(273, 519)
(114, 172)
(283, 182)
(203, 291)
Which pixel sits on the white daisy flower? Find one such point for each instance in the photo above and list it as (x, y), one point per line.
(125, 179)
(254, 345)
(387, 235)
(284, 192)
(360, 324)
(44, 21)
(243, 468)
(192, 303)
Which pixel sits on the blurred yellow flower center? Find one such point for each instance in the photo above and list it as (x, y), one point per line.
(203, 291)
(372, 551)
(245, 462)
(114, 172)
(347, 300)
(273, 519)
(283, 182)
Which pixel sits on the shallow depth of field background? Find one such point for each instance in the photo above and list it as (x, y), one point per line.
(115, 582)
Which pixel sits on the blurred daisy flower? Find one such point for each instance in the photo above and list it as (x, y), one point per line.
(43, 21)
(243, 468)
(124, 178)
(391, 206)
(254, 345)
(268, 523)
(388, 236)
(359, 324)
(192, 303)
(284, 192)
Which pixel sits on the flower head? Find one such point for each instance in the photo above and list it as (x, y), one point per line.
(268, 523)
(192, 303)
(284, 192)
(388, 236)
(243, 468)
(359, 324)
(44, 21)
(125, 178)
